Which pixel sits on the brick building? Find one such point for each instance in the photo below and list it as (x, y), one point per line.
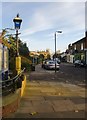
(78, 50)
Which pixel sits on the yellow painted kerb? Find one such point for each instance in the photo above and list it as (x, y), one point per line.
(23, 86)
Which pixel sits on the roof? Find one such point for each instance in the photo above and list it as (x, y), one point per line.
(79, 41)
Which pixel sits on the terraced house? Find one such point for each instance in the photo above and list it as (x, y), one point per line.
(77, 51)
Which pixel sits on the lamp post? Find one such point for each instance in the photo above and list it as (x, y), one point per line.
(55, 47)
(17, 23)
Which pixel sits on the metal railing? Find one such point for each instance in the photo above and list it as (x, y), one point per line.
(9, 86)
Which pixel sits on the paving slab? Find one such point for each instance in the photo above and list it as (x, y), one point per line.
(51, 100)
(64, 114)
(79, 100)
(48, 89)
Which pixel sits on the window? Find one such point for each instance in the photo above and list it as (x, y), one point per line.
(81, 46)
(74, 47)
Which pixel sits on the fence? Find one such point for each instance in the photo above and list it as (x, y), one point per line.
(9, 86)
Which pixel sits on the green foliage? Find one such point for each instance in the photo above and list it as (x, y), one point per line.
(48, 57)
(26, 63)
(77, 56)
(12, 63)
(41, 58)
(10, 42)
(23, 49)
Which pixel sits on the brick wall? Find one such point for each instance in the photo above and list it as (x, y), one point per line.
(11, 105)
(6, 110)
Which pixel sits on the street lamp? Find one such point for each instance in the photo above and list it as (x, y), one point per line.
(55, 47)
(17, 23)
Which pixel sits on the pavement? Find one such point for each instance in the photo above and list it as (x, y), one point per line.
(51, 99)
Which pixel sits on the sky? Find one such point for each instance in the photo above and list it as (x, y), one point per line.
(40, 21)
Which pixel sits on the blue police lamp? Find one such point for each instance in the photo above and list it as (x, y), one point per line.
(17, 22)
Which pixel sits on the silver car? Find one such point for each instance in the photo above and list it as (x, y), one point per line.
(51, 65)
(79, 63)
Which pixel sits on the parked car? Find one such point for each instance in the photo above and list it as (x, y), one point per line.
(44, 63)
(58, 60)
(79, 63)
(51, 65)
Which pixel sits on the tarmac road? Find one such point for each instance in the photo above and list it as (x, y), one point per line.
(67, 73)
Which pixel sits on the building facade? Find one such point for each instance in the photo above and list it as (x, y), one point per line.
(77, 50)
